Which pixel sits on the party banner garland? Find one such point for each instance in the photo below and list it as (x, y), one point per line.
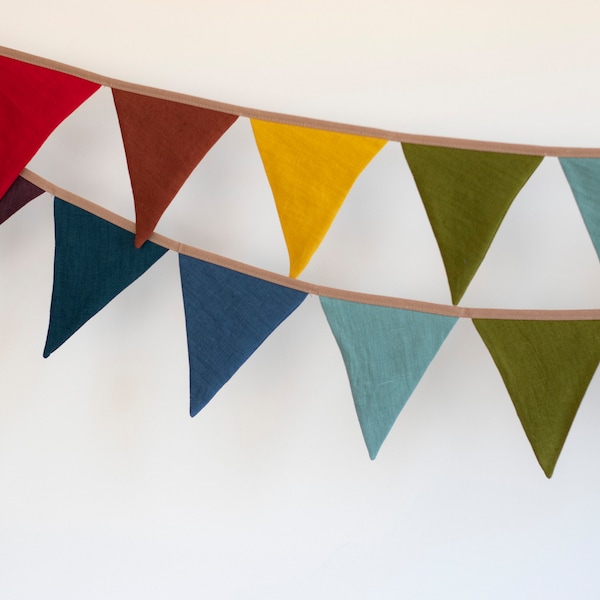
(546, 358)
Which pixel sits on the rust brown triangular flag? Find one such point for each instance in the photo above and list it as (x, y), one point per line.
(164, 141)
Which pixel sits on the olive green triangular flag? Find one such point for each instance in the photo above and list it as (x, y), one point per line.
(466, 194)
(546, 367)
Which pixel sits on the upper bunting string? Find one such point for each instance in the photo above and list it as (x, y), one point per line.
(252, 113)
(466, 186)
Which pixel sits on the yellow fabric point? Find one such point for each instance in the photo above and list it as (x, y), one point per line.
(311, 172)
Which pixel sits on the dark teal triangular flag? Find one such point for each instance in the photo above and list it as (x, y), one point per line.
(94, 261)
(583, 175)
(386, 352)
(228, 316)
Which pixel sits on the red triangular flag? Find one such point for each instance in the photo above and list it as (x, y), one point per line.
(33, 102)
(164, 141)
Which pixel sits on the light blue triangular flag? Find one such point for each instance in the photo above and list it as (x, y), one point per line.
(583, 175)
(386, 352)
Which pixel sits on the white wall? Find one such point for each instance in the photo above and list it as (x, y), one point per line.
(109, 490)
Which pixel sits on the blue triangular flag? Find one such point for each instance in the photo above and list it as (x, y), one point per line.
(228, 316)
(94, 261)
(386, 352)
(583, 175)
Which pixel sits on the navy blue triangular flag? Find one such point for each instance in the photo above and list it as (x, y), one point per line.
(228, 316)
(94, 261)
(17, 196)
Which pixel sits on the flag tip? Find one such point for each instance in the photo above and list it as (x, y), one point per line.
(373, 452)
(194, 409)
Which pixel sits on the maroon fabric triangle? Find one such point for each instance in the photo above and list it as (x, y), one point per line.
(18, 195)
(164, 141)
(33, 102)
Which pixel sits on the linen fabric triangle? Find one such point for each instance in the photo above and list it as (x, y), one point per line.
(466, 194)
(310, 172)
(94, 261)
(164, 142)
(228, 316)
(17, 196)
(583, 175)
(33, 102)
(386, 352)
(546, 367)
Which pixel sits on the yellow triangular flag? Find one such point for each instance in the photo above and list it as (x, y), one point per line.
(311, 172)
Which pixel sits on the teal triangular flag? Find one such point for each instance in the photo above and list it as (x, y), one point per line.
(583, 175)
(228, 316)
(386, 352)
(94, 261)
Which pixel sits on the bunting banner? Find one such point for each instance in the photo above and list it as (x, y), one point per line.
(546, 358)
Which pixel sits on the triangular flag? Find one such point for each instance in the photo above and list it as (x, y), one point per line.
(386, 352)
(311, 172)
(546, 367)
(17, 196)
(94, 261)
(228, 316)
(466, 194)
(583, 175)
(164, 142)
(33, 102)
